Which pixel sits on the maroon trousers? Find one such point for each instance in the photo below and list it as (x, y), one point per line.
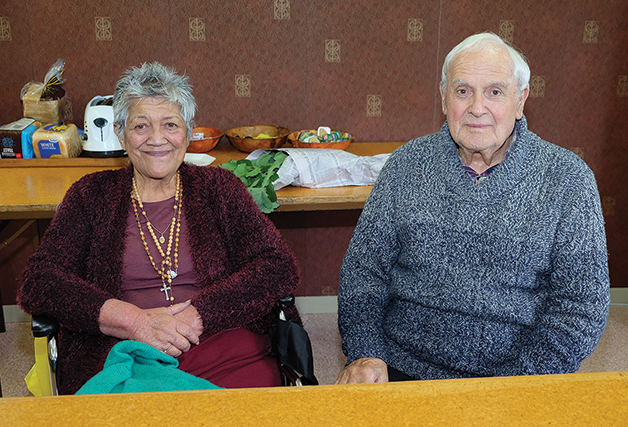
(236, 358)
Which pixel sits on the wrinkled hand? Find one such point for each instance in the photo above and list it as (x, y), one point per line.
(365, 370)
(192, 318)
(168, 329)
(172, 330)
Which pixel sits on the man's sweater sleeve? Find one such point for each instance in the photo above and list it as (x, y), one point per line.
(364, 276)
(569, 327)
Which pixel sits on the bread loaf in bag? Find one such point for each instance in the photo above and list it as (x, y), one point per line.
(57, 141)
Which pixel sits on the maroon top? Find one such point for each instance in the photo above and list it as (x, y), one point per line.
(235, 358)
(141, 284)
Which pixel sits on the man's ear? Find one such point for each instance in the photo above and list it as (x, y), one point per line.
(522, 100)
(443, 99)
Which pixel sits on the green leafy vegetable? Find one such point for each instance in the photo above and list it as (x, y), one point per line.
(258, 175)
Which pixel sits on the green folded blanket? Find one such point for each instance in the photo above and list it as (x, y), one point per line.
(135, 367)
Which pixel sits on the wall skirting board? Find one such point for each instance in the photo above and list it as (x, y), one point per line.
(306, 305)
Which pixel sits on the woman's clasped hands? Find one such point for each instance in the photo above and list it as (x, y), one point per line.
(172, 330)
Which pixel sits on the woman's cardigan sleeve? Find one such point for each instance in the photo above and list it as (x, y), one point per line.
(255, 268)
(55, 282)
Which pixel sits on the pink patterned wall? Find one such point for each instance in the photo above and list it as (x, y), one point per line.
(368, 67)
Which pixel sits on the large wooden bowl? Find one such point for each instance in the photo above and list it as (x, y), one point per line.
(210, 139)
(244, 138)
(340, 145)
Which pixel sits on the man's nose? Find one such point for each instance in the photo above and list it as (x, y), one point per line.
(478, 106)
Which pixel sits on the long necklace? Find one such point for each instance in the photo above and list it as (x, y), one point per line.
(168, 267)
(152, 227)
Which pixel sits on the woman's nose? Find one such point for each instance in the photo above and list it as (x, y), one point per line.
(156, 137)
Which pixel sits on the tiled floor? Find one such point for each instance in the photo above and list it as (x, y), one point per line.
(16, 354)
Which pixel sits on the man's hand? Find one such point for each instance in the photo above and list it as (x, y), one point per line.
(365, 370)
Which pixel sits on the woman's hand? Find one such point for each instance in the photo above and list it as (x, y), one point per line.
(190, 316)
(365, 370)
(172, 330)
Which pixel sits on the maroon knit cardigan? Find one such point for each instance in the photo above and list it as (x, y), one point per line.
(240, 260)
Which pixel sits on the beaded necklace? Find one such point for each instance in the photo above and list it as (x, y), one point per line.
(168, 270)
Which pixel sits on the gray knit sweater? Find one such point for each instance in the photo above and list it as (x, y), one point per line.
(447, 279)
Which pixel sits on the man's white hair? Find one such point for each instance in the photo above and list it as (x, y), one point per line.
(520, 68)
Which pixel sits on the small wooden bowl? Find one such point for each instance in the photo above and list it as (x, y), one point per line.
(340, 145)
(244, 137)
(210, 139)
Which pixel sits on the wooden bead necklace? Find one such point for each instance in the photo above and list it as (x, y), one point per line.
(169, 269)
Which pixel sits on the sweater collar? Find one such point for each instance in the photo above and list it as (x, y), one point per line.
(505, 175)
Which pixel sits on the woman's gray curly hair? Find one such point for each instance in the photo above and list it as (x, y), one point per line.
(152, 80)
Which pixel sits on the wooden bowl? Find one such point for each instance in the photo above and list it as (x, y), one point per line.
(210, 139)
(244, 138)
(340, 145)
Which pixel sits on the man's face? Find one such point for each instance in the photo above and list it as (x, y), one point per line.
(481, 100)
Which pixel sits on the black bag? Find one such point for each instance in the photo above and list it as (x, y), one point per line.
(294, 350)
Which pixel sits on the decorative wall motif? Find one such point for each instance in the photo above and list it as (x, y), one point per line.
(579, 151)
(415, 30)
(537, 86)
(608, 206)
(282, 9)
(334, 63)
(243, 86)
(329, 291)
(5, 29)
(622, 86)
(197, 30)
(103, 28)
(507, 30)
(373, 106)
(332, 50)
(591, 29)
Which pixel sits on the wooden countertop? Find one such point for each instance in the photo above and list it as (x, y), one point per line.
(560, 400)
(32, 188)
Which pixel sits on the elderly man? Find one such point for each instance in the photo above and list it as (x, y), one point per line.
(481, 250)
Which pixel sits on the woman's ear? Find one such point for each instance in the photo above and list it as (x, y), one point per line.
(120, 136)
(192, 126)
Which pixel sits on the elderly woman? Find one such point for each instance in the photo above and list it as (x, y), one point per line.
(161, 252)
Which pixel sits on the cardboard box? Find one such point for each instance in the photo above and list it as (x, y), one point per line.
(16, 139)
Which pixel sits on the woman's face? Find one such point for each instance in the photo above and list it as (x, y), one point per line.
(155, 137)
